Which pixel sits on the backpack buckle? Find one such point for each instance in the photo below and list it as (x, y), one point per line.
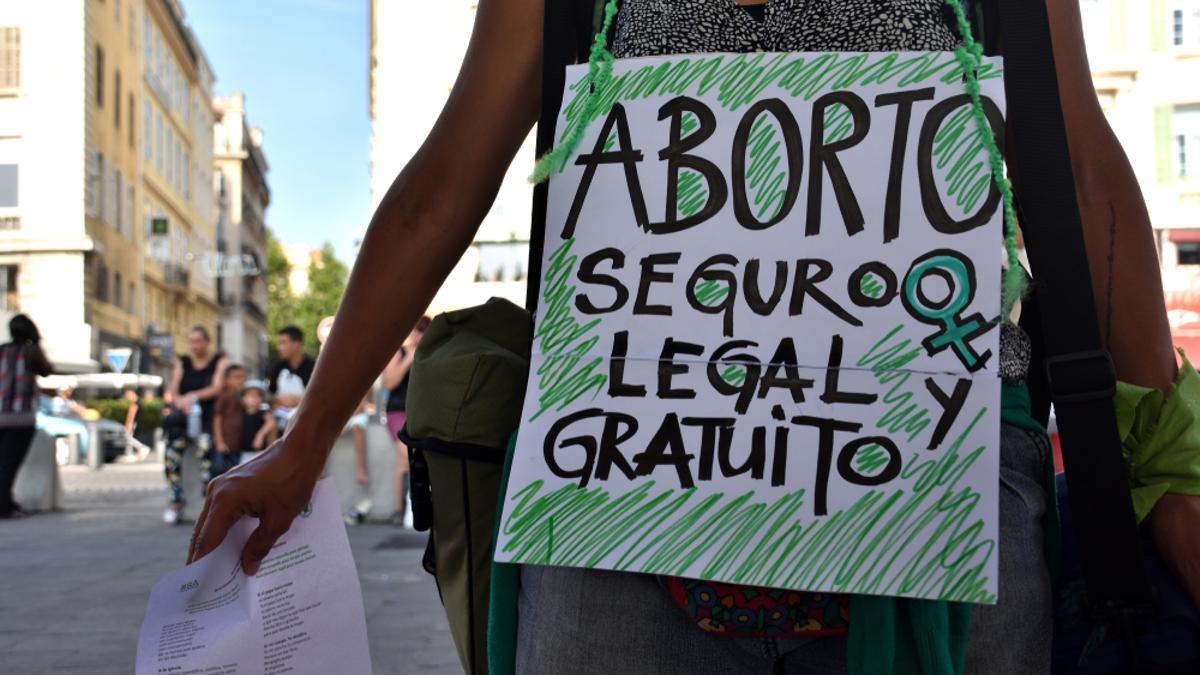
(1081, 376)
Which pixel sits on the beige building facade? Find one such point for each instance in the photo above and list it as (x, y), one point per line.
(106, 215)
(240, 179)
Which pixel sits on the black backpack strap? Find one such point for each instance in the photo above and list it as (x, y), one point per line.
(1079, 371)
(569, 26)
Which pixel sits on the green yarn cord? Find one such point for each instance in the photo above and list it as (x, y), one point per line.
(969, 55)
(599, 73)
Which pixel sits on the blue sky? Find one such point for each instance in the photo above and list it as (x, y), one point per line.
(303, 67)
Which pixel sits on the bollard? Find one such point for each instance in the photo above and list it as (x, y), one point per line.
(160, 445)
(73, 456)
(95, 448)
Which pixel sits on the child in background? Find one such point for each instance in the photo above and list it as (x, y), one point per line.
(228, 421)
(259, 429)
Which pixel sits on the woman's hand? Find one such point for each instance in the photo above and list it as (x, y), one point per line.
(274, 488)
(1175, 521)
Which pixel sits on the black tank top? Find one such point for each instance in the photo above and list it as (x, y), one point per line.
(198, 378)
(398, 397)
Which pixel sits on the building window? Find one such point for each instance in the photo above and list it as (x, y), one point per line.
(170, 158)
(158, 143)
(118, 220)
(8, 185)
(147, 130)
(118, 290)
(128, 227)
(1185, 129)
(1185, 23)
(1188, 252)
(100, 187)
(9, 300)
(99, 76)
(10, 58)
(92, 184)
(117, 98)
(131, 109)
(101, 281)
(147, 42)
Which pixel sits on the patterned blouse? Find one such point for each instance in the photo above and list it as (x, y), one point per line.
(660, 27)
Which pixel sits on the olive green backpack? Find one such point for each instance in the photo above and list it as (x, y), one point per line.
(464, 402)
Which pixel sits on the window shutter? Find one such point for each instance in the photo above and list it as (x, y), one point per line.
(1163, 159)
(1159, 21)
(91, 187)
(10, 58)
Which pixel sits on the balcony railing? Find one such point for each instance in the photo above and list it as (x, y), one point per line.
(254, 310)
(177, 274)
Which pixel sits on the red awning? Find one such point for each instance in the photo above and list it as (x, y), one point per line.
(1183, 236)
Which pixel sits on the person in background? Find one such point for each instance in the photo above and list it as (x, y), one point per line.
(228, 419)
(288, 377)
(395, 380)
(21, 361)
(135, 450)
(196, 381)
(357, 426)
(258, 425)
(64, 403)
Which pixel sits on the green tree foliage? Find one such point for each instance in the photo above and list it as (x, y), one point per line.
(326, 283)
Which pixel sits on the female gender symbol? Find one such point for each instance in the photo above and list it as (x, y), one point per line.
(955, 331)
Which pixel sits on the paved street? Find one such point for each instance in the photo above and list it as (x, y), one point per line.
(75, 582)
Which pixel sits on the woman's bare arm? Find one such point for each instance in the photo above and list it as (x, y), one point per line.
(1125, 270)
(1120, 244)
(422, 226)
(173, 388)
(396, 369)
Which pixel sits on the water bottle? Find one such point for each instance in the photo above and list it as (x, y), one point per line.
(195, 421)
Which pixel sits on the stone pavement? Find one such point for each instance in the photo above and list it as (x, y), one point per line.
(73, 584)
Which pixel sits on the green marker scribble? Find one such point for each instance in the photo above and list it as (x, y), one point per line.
(870, 458)
(734, 375)
(740, 79)
(687, 123)
(765, 168)
(871, 286)
(692, 192)
(610, 141)
(886, 363)
(709, 292)
(924, 540)
(838, 123)
(961, 159)
(566, 371)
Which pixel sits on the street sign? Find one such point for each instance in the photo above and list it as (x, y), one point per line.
(324, 328)
(118, 358)
(161, 345)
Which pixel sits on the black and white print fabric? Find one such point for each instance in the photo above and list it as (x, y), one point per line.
(658, 27)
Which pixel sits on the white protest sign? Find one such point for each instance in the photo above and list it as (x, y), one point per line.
(765, 350)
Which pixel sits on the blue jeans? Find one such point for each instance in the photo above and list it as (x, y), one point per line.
(582, 621)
